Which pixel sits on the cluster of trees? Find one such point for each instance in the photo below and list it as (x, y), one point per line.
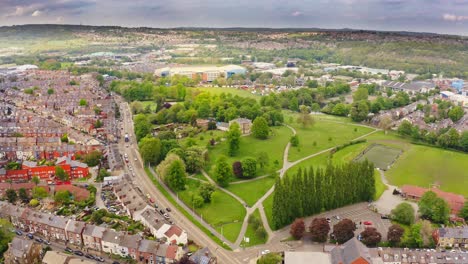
(5, 235)
(256, 223)
(247, 168)
(312, 191)
(445, 138)
(434, 208)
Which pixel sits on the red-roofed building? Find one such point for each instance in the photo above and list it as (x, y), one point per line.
(15, 176)
(175, 235)
(455, 201)
(78, 193)
(28, 186)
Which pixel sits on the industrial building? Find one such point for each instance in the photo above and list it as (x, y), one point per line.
(205, 73)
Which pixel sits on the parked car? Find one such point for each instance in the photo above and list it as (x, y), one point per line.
(19, 233)
(367, 223)
(384, 217)
(100, 259)
(115, 262)
(78, 253)
(89, 256)
(151, 200)
(155, 206)
(38, 239)
(166, 216)
(328, 220)
(162, 211)
(30, 236)
(46, 242)
(266, 251)
(168, 209)
(69, 250)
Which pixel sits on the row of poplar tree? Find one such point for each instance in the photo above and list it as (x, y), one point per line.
(316, 190)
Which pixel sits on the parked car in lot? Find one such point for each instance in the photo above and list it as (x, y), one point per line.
(69, 250)
(78, 253)
(367, 223)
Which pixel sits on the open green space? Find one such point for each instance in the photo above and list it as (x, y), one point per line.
(268, 208)
(202, 138)
(424, 166)
(380, 187)
(233, 91)
(382, 156)
(254, 239)
(222, 212)
(151, 104)
(323, 134)
(251, 191)
(250, 147)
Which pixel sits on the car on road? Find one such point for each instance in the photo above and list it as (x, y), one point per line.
(328, 220)
(162, 211)
(168, 209)
(19, 233)
(38, 239)
(89, 256)
(115, 262)
(367, 223)
(155, 206)
(384, 217)
(136, 159)
(337, 217)
(78, 253)
(46, 242)
(151, 200)
(69, 250)
(166, 216)
(100, 259)
(30, 236)
(266, 251)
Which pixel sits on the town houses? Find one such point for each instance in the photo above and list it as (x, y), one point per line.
(80, 235)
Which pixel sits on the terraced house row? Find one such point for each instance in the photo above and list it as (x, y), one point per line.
(94, 238)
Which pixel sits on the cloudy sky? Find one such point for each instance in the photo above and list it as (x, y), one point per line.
(440, 16)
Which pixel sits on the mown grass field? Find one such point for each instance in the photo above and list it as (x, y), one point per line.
(233, 91)
(251, 234)
(323, 134)
(250, 192)
(268, 208)
(222, 211)
(250, 147)
(423, 166)
(382, 156)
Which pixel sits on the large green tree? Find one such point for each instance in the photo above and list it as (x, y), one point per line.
(260, 128)
(176, 176)
(359, 111)
(5, 234)
(142, 126)
(434, 208)
(305, 119)
(249, 167)
(11, 195)
(456, 113)
(223, 172)
(206, 190)
(61, 173)
(62, 197)
(150, 150)
(194, 159)
(360, 94)
(233, 138)
(403, 213)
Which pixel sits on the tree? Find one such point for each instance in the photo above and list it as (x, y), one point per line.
(233, 138)
(297, 228)
(413, 238)
(197, 201)
(344, 230)
(394, 235)
(319, 229)
(35, 180)
(162, 168)
(61, 173)
(385, 123)
(403, 213)
(270, 258)
(223, 172)
(456, 113)
(83, 102)
(92, 159)
(340, 109)
(360, 94)
(263, 159)
(5, 235)
(194, 159)
(100, 79)
(464, 141)
(434, 208)
(11, 195)
(260, 128)
(237, 169)
(371, 237)
(50, 91)
(405, 128)
(34, 202)
(426, 202)
(96, 216)
(294, 140)
(150, 150)
(142, 126)
(23, 195)
(64, 138)
(464, 211)
(62, 197)
(305, 119)
(427, 232)
(175, 176)
(249, 167)
(359, 111)
(39, 192)
(206, 190)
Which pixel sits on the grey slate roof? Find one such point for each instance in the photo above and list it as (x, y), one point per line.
(349, 252)
(19, 246)
(453, 232)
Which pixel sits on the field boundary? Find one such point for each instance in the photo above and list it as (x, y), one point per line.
(370, 147)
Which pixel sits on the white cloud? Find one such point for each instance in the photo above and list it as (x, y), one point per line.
(296, 14)
(36, 13)
(452, 17)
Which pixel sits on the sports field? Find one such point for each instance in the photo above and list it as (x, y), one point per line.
(382, 156)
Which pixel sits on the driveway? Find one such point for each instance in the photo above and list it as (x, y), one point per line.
(388, 201)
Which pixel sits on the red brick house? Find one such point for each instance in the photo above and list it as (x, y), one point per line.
(74, 231)
(455, 201)
(147, 251)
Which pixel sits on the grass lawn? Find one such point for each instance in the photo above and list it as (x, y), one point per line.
(382, 156)
(233, 91)
(380, 187)
(152, 105)
(250, 146)
(323, 134)
(202, 139)
(423, 166)
(268, 208)
(223, 209)
(250, 192)
(250, 233)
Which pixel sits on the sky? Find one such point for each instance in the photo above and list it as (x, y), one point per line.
(438, 16)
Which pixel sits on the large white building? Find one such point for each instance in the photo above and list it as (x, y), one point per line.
(206, 73)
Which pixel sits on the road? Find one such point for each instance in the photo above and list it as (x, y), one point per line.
(144, 182)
